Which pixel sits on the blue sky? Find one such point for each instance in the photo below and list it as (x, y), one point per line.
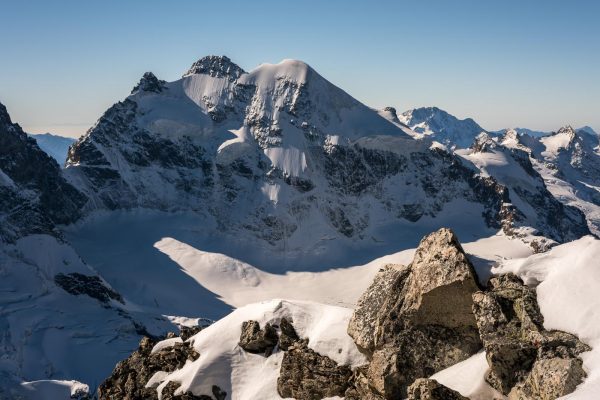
(532, 64)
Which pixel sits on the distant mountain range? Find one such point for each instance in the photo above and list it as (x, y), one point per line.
(55, 146)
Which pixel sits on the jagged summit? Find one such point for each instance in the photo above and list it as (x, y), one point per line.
(217, 67)
(149, 83)
(4, 117)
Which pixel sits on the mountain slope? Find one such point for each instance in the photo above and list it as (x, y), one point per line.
(33, 193)
(57, 314)
(281, 157)
(569, 162)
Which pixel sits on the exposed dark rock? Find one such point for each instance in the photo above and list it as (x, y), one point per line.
(34, 196)
(217, 67)
(307, 375)
(130, 376)
(364, 320)
(76, 284)
(168, 393)
(256, 340)
(430, 389)
(414, 321)
(186, 332)
(288, 335)
(149, 83)
(517, 346)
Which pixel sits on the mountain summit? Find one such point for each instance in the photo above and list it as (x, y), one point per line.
(441, 126)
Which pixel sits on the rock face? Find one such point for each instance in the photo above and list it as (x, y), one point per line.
(430, 389)
(526, 361)
(288, 334)
(307, 375)
(362, 325)
(414, 321)
(34, 196)
(93, 286)
(256, 340)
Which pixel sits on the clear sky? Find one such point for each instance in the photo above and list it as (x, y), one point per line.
(532, 64)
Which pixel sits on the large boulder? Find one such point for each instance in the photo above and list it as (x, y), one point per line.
(364, 319)
(430, 389)
(525, 361)
(414, 321)
(256, 340)
(308, 375)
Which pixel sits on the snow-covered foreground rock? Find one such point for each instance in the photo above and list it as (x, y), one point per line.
(565, 291)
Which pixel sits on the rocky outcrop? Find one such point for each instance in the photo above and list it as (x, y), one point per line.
(525, 361)
(217, 67)
(149, 83)
(130, 377)
(430, 389)
(93, 286)
(414, 321)
(304, 373)
(288, 335)
(256, 340)
(363, 322)
(308, 375)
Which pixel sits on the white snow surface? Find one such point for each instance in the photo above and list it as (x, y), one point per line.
(250, 376)
(53, 390)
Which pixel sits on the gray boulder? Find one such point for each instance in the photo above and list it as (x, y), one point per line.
(550, 379)
(525, 360)
(308, 375)
(414, 321)
(430, 389)
(364, 319)
(256, 340)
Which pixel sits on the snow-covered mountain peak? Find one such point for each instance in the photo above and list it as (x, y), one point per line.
(391, 114)
(149, 83)
(217, 67)
(441, 126)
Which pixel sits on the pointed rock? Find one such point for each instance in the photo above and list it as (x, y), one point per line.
(414, 321)
(149, 83)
